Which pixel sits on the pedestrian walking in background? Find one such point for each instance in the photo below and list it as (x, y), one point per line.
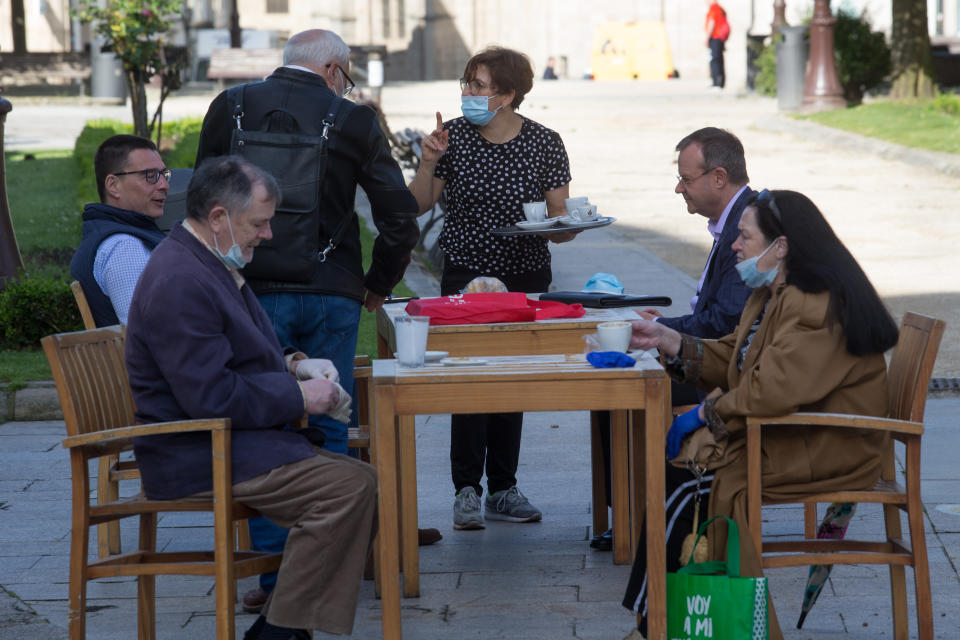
(718, 30)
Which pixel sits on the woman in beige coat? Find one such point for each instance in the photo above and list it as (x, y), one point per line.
(811, 338)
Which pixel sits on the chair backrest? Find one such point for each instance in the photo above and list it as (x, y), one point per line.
(91, 378)
(908, 376)
(82, 304)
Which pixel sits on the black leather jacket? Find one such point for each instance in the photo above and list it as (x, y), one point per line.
(359, 156)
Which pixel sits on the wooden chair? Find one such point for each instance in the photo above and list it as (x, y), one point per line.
(908, 378)
(359, 437)
(110, 469)
(91, 378)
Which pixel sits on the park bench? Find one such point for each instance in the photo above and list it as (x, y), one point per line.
(243, 64)
(43, 69)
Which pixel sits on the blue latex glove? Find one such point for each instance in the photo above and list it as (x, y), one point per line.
(683, 425)
(609, 359)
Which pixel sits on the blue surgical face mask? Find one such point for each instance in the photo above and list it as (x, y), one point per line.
(751, 276)
(475, 109)
(233, 258)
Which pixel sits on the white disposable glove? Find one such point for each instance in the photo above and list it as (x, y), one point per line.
(341, 412)
(317, 368)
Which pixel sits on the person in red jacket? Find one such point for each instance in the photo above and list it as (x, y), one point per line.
(717, 29)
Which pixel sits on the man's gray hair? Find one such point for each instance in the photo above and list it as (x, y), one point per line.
(316, 48)
(227, 181)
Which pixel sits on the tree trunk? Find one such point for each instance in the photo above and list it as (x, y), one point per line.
(19, 26)
(11, 264)
(138, 102)
(910, 49)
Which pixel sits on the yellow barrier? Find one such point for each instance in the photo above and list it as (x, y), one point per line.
(631, 51)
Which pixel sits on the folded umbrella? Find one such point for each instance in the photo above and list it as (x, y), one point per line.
(833, 527)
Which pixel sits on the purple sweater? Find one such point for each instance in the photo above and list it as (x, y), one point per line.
(199, 347)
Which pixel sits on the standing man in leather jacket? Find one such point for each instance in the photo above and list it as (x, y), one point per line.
(316, 309)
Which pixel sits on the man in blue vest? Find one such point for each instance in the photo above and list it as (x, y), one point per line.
(120, 231)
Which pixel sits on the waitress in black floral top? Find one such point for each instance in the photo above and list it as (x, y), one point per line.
(491, 161)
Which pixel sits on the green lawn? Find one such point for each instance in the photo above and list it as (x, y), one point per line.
(42, 193)
(918, 125)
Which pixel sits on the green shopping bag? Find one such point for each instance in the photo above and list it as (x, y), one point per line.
(710, 601)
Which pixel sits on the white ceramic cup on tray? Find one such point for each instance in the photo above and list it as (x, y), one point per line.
(411, 339)
(575, 203)
(587, 213)
(535, 211)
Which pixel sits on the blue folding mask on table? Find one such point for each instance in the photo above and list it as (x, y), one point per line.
(604, 283)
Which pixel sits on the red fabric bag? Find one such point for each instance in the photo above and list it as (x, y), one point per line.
(483, 308)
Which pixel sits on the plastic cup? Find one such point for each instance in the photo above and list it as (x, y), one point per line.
(614, 336)
(411, 339)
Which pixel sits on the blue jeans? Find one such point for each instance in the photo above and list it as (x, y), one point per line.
(322, 326)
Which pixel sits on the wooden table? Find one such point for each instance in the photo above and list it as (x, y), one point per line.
(519, 383)
(563, 335)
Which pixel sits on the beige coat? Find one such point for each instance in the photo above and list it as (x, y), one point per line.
(797, 361)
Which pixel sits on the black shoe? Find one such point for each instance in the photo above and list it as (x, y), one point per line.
(253, 633)
(427, 537)
(603, 542)
(271, 632)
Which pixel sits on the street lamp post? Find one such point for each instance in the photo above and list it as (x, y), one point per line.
(822, 90)
(779, 14)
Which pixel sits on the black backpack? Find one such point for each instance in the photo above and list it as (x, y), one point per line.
(298, 162)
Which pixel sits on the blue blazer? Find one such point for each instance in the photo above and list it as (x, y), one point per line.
(200, 347)
(723, 293)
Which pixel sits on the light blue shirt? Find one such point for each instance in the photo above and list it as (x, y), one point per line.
(117, 266)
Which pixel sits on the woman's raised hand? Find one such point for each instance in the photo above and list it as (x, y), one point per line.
(435, 145)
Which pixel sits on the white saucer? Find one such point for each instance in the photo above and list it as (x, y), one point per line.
(431, 356)
(570, 221)
(463, 361)
(535, 225)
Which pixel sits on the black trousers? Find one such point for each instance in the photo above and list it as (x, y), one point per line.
(487, 440)
(717, 74)
(680, 394)
(681, 489)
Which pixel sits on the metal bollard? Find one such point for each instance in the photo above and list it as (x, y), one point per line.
(791, 67)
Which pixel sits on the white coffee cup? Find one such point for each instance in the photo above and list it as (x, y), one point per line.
(575, 203)
(535, 211)
(586, 213)
(614, 336)
(412, 339)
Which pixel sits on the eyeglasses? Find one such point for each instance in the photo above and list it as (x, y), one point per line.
(348, 84)
(766, 198)
(152, 176)
(689, 181)
(476, 87)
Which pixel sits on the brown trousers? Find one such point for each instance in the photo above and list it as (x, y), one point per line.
(329, 503)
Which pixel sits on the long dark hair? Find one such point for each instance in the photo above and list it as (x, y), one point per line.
(817, 261)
